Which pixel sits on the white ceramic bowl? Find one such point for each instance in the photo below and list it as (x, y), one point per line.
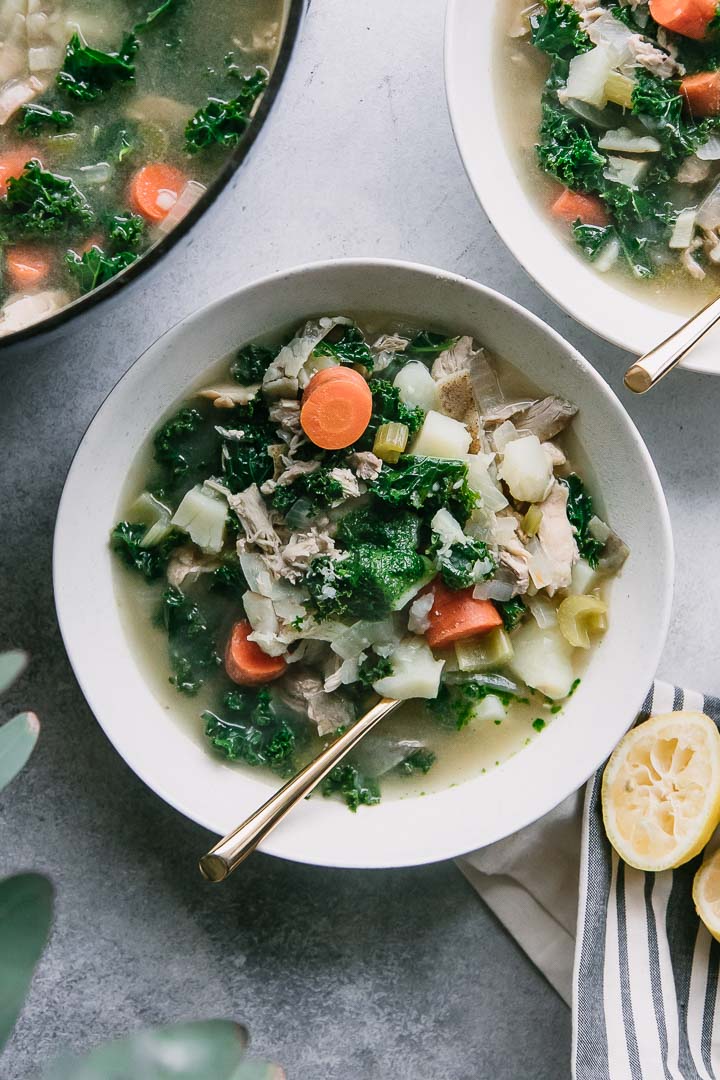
(413, 830)
(593, 299)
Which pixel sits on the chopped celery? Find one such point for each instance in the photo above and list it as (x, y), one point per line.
(531, 522)
(149, 511)
(619, 89)
(484, 653)
(390, 441)
(579, 616)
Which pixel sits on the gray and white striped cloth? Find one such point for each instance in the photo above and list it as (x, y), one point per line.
(644, 981)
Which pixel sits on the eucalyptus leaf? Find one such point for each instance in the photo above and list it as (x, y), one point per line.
(17, 741)
(12, 665)
(26, 903)
(199, 1050)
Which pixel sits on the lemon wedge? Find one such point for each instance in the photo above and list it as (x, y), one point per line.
(706, 894)
(661, 790)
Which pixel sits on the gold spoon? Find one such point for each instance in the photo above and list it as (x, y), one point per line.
(650, 368)
(234, 848)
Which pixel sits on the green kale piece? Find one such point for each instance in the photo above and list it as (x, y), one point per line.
(428, 346)
(592, 238)
(88, 73)
(660, 104)
(539, 724)
(164, 8)
(454, 707)
(126, 540)
(246, 461)
(511, 611)
(187, 447)
(39, 202)
(126, 232)
(566, 150)
(356, 789)
(94, 267)
(35, 118)
(366, 583)
(256, 734)
(319, 488)
(457, 565)
(348, 346)
(228, 578)
(580, 512)
(387, 407)
(191, 642)
(251, 363)
(378, 525)
(374, 668)
(427, 484)
(419, 761)
(558, 30)
(223, 123)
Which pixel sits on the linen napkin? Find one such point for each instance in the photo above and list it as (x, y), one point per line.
(625, 949)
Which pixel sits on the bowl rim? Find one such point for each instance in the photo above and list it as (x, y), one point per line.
(663, 545)
(627, 331)
(294, 10)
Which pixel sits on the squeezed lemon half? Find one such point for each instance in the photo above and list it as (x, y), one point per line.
(706, 894)
(661, 791)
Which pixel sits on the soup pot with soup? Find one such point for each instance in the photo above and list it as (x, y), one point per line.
(119, 125)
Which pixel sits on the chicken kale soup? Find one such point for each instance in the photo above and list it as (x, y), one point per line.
(114, 118)
(626, 132)
(361, 510)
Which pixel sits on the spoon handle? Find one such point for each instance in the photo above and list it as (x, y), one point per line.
(234, 848)
(650, 368)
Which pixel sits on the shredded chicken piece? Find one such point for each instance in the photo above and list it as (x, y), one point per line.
(284, 376)
(32, 50)
(229, 395)
(693, 170)
(690, 263)
(351, 486)
(367, 465)
(656, 61)
(589, 11)
(294, 557)
(385, 349)
(21, 311)
(457, 358)
(419, 615)
(546, 418)
(255, 518)
(555, 454)
(187, 561)
(295, 470)
(512, 553)
(296, 687)
(329, 712)
(285, 414)
(555, 543)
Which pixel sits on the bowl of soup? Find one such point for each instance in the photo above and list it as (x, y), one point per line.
(354, 479)
(582, 133)
(118, 128)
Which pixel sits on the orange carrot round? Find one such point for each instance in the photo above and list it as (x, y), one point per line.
(246, 663)
(154, 190)
(336, 413)
(12, 164)
(327, 375)
(27, 266)
(571, 206)
(691, 18)
(702, 93)
(456, 615)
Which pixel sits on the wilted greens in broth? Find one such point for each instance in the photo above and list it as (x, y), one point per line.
(114, 118)
(617, 134)
(356, 510)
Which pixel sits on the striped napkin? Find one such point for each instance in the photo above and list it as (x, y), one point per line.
(627, 950)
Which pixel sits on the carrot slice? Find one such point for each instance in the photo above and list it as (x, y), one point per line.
(246, 663)
(456, 615)
(570, 206)
(12, 164)
(691, 18)
(155, 189)
(702, 93)
(27, 266)
(337, 412)
(327, 375)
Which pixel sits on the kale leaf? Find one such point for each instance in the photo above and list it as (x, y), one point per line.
(373, 668)
(356, 789)
(427, 345)
(126, 231)
(419, 761)
(187, 447)
(379, 526)
(223, 123)
(126, 540)
(558, 30)
(94, 267)
(427, 484)
(35, 118)
(388, 408)
(89, 73)
(592, 238)
(366, 583)
(251, 363)
(191, 643)
(511, 611)
(319, 489)
(457, 566)
(455, 705)
(567, 152)
(228, 578)
(163, 9)
(256, 734)
(347, 347)
(39, 202)
(246, 461)
(660, 104)
(580, 512)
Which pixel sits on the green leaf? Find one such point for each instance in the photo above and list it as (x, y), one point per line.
(17, 741)
(12, 665)
(199, 1050)
(26, 903)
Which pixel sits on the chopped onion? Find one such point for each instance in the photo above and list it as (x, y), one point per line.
(598, 118)
(493, 682)
(256, 573)
(684, 230)
(181, 206)
(625, 141)
(506, 433)
(495, 589)
(625, 171)
(588, 74)
(96, 174)
(710, 151)
(613, 35)
(693, 171)
(543, 612)
(608, 256)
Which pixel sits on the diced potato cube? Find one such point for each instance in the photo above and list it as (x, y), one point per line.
(442, 437)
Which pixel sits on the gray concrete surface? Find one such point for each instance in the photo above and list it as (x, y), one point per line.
(339, 975)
